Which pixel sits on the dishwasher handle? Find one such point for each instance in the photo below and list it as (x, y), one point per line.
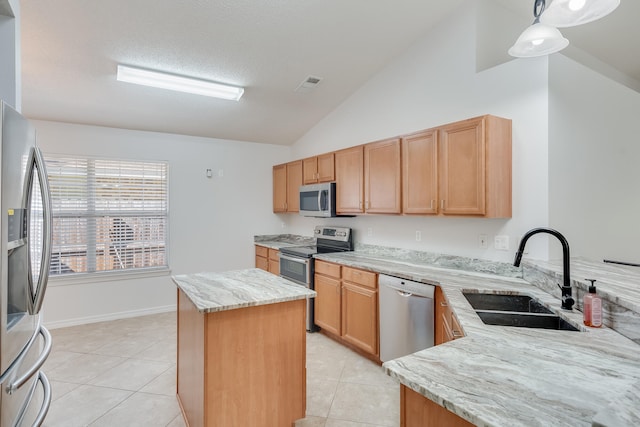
(404, 287)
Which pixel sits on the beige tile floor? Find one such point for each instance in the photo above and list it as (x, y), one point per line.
(123, 373)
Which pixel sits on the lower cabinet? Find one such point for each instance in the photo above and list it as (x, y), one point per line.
(418, 411)
(447, 327)
(268, 259)
(346, 305)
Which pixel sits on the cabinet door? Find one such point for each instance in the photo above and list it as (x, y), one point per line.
(360, 317)
(274, 261)
(310, 170)
(349, 180)
(327, 303)
(326, 168)
(280, 188)
(294, 181)
(262, 263)
(420, 173)
(418, 411)
(382, 186)
(462, 168)
(442, 311)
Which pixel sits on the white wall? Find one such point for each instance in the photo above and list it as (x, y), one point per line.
(594, 174)
(212, 220)
(10, 65)
(435, 82)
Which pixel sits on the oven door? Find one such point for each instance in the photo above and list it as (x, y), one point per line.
(296, 269)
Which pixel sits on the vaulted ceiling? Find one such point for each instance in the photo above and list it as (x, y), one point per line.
(70, 50)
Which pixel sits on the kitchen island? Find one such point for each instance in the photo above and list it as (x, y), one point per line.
(241, 349)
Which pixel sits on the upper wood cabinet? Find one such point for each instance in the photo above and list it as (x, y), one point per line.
(463, 168)
(382, 177)
(350, 180)
(287, 179)
(475, 167)
(420, 173)
(319, 169)
(280, 188)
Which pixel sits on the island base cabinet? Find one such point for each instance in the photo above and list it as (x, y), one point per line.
(242, 367)
(418, 411)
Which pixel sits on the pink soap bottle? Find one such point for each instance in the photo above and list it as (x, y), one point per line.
(592, 307)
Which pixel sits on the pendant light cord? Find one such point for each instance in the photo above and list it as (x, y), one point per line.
(538, 8)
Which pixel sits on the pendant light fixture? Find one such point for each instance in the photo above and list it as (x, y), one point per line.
(569, 13)
(539, 39)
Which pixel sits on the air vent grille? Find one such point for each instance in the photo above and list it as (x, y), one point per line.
(308, 84)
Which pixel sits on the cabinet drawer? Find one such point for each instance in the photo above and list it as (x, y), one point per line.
(274, 255)
(262, 251)
(327, 268)
(360, 277)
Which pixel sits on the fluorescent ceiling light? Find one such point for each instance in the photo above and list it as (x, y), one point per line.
(569, 13)
(178, 83)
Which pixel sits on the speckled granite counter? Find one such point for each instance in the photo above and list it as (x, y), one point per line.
(277, 241)
(503, 376)
(212, 292)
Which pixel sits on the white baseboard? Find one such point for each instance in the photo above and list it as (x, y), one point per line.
(107, 317)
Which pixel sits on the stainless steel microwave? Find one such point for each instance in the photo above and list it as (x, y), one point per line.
(318, 200)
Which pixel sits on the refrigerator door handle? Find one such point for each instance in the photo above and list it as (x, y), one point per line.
(14, 385)
(46, 402)
(39, 166)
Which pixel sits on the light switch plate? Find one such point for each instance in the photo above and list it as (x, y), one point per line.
(501, 243)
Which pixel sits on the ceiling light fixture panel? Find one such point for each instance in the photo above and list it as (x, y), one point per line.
(178, 83)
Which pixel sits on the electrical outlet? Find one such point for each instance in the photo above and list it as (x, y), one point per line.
(501, 243)
(418, 236)
(483, 241)
(284, 225)
(369, 231)
(220, 173)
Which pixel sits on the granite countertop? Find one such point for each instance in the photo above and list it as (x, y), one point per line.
(212, 292)
(278, 241)
(505, 376)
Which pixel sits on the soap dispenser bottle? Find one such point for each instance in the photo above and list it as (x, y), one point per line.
(592, 307)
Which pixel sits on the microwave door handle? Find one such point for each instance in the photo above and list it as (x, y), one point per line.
(319, 201)
(43, 278)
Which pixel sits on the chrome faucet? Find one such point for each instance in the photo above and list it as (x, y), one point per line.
(567, 299)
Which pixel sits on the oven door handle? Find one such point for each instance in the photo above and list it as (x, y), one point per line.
(292, 259)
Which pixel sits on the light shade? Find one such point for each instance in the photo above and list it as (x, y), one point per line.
(538, 40)
(178, 83)
(568, 13)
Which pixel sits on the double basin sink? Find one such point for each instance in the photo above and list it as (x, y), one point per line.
(515, 310)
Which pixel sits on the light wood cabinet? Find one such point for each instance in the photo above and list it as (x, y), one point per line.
(327, 303)
(475, 167)
(418, 411)
(462, 168)
(280, 188)
(319, 169)
(287, 179)
(420, 173)
(266, 386)
(360, 317)
(382, 177)
(268, 259)
(346, 305)
(447, 327)
(350, 180)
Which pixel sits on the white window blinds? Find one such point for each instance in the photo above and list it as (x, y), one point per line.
(107, 215)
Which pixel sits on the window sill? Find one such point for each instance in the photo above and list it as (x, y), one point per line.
(108, 276)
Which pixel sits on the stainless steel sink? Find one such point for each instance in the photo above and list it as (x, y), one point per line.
(515, 310)
(504, 302)
(525, 320)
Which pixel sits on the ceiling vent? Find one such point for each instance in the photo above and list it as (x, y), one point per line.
(308, 84)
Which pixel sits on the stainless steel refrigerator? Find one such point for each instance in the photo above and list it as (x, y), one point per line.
(25, 224)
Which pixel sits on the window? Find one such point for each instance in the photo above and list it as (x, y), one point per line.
(108, 215)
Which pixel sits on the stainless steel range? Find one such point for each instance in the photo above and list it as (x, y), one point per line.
(296, 262)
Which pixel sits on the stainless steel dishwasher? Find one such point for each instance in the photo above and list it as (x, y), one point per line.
(406, 316)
